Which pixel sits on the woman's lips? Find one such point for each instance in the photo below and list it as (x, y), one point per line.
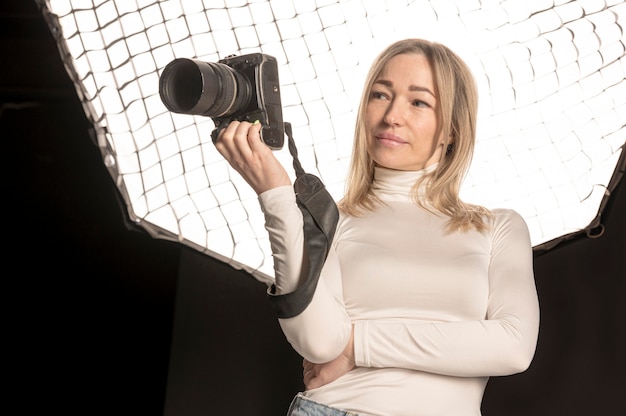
(390, 139)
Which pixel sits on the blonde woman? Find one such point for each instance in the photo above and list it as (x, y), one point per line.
(422, 296)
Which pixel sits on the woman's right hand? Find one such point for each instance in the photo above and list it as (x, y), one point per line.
(318, 375)
(241, 145)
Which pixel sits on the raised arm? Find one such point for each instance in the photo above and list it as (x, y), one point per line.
(321, 332)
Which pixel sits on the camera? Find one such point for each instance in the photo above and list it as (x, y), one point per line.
(242, 88)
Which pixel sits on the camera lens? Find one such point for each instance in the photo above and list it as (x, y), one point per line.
(190, 86)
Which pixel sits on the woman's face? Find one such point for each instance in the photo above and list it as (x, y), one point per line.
(401, 115)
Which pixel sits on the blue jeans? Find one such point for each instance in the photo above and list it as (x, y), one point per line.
(301, 406)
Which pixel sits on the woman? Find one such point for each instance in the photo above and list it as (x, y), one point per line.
(422, 296)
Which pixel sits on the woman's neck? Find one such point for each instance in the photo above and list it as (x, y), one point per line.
(396, 185)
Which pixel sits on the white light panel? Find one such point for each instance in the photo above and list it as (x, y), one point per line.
(551, 75)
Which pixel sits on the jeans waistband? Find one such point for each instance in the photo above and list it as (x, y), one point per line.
(302, 406)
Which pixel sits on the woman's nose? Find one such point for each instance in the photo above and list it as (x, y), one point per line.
(394, 114)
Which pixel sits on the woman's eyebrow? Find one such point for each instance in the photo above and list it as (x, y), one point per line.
(389, 84)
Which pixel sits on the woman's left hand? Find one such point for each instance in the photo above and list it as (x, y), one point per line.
(318, 375)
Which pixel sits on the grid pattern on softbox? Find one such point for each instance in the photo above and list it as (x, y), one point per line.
(551, 122)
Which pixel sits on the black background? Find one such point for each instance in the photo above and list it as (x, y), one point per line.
(90, 301)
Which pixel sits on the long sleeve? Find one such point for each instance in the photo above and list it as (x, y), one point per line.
(435, 313)
(283, 222)
(502, 343)
(321, 332)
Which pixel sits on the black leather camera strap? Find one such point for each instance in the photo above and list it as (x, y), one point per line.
(320, 215)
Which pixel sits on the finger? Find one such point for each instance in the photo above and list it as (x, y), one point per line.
(242, 137)
(240, 133)
(229, 143)
(225, 137)
(254, 137)
(309, 379)
(313, 383)
(308, 366)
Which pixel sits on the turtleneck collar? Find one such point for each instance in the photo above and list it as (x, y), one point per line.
(395, 185)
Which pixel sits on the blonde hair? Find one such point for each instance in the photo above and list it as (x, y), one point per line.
(458, 106)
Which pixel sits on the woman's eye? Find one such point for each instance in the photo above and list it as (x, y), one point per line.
(420, 103)
(376, 95)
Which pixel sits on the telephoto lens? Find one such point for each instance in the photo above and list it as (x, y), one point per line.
(190, 86)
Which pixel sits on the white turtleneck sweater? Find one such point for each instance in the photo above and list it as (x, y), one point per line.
(434, 313)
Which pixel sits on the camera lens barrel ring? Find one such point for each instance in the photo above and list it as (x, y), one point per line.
(190, 86)
(219, 89)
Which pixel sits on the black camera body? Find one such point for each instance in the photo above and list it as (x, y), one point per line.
(242, 88)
